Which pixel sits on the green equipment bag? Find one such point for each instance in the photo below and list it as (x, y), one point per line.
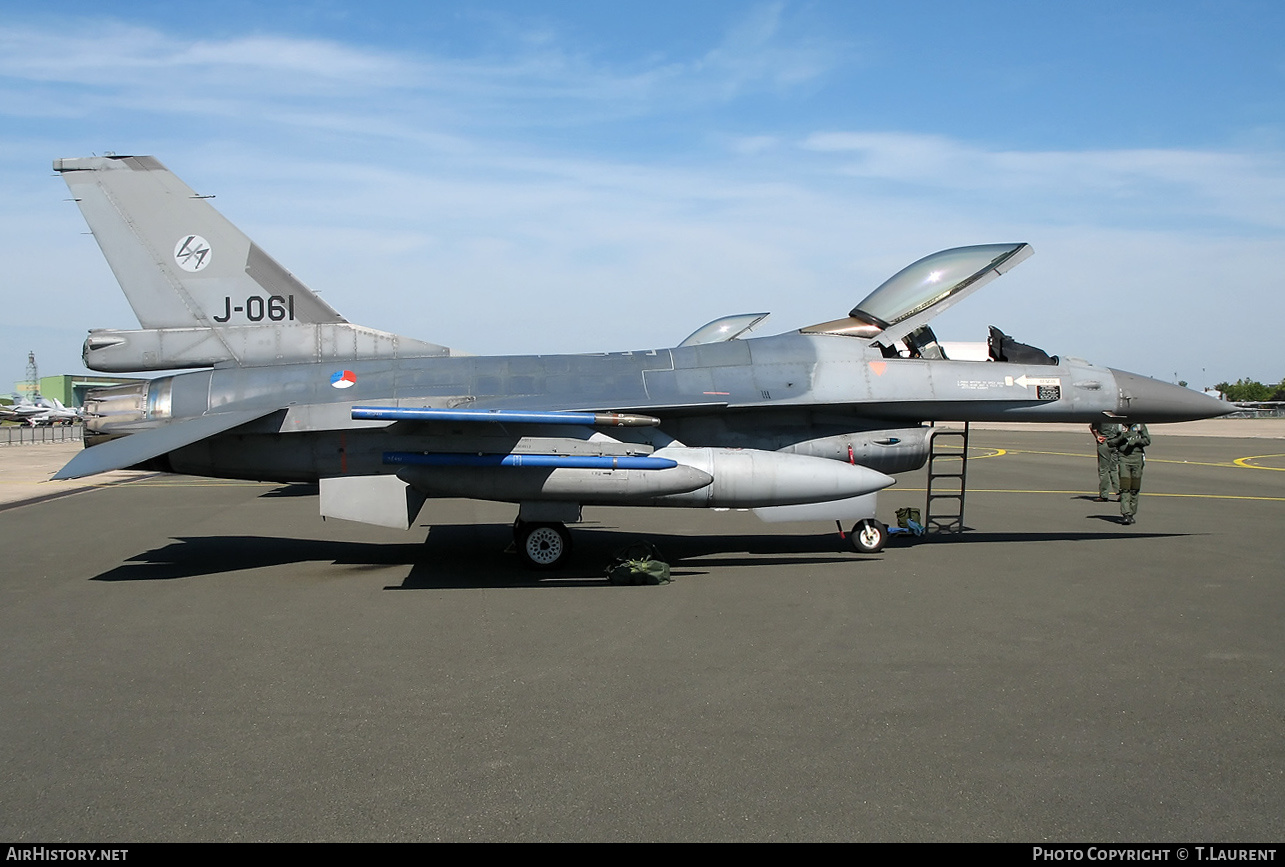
(905, 516)
(638, 563)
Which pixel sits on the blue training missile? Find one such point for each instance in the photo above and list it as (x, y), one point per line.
(509, 416)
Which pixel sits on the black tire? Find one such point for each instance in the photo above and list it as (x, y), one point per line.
(868, 536)
(543, 546)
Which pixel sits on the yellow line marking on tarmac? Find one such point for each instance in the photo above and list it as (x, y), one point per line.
(1059, 454)
(994, 453)
(1150, 460)
(1213, 497)
(1244, 462)
(174, 484)
(1091, 493)
(138, 483)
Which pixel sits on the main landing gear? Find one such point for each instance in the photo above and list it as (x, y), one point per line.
(542, 544)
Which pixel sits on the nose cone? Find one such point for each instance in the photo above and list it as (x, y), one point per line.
(1141, 398)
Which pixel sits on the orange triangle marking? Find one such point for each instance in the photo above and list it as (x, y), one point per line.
(878, 366)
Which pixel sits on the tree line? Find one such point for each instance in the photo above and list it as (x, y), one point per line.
(1249, 390)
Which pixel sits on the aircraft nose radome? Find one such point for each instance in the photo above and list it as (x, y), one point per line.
(1142, 398)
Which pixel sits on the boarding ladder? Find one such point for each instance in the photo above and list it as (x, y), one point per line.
(947, 480)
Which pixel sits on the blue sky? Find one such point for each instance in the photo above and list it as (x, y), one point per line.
(577, 177)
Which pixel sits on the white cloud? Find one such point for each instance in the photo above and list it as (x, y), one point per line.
(1241, 188)
(106, 65)
(753, 52)
(114, 55)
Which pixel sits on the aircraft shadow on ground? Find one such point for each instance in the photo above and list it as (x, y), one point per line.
(298, 489)
(974, 537)
(472, 556)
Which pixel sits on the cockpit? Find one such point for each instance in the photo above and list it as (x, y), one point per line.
(895, 316)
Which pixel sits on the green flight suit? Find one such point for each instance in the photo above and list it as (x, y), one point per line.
(1132, 442)
(1108, 458)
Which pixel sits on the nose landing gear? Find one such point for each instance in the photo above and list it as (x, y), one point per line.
(868, 536)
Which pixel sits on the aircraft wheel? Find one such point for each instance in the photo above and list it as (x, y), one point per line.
(868, 536)
(543, 546)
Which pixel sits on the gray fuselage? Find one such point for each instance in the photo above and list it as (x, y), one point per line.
(811, 394)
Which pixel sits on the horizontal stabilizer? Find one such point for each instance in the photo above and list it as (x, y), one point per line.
(504, 416)
(578, 462)
(127, 451)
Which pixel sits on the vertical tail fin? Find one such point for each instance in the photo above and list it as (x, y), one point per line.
(176, 258)
(203, 292)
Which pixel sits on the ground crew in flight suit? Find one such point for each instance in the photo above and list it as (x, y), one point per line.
(1108, 459)
(1132, 442)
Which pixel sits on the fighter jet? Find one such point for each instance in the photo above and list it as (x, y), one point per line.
(16, 407)
(41, 411)
(52, 411)
(805, 425)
